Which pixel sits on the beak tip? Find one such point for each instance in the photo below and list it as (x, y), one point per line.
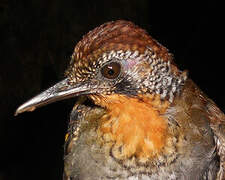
(21, 109)
(16, 113)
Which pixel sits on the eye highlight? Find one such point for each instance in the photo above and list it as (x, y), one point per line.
(111, 70)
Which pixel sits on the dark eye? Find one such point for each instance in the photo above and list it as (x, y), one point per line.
(111, 70)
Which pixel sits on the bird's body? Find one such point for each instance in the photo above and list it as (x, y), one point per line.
(148, 120)
(185, 147)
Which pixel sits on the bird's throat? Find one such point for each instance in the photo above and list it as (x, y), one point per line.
(135, 126)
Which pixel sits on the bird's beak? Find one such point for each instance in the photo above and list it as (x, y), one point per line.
(59, 91)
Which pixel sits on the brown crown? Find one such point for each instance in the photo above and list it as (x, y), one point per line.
(115, 35)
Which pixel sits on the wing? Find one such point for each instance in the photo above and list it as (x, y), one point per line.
(217, 124)
(216, 118)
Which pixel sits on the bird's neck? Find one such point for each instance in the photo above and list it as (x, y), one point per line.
(136, 126)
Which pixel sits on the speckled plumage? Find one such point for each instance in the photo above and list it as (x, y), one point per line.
(130, 45)
(113, 36)
(192, 155)
(146, 121)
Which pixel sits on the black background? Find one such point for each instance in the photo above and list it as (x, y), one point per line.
(36, 40)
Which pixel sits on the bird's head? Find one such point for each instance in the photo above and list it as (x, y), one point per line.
(117, 59)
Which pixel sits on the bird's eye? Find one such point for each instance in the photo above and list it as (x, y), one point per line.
(111, 70)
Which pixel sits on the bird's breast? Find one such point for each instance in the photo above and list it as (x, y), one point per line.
(134, 126)
(137, 137)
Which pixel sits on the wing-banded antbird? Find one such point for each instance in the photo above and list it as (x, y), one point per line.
(147, 119)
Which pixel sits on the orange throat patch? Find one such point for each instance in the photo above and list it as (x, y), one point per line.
(135, 126)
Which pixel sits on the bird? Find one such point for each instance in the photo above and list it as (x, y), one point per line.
(137, 116)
